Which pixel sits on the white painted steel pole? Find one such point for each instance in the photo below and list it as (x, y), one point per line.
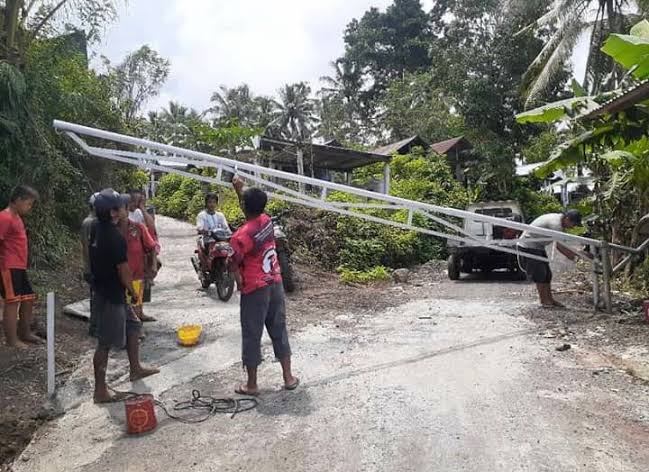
(51, 373)
(606, 278)
(74, 128)
(300, 168)
(386, 178)
(595, 280)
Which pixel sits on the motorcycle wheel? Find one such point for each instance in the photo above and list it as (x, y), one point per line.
(287, 271)
(225, 287)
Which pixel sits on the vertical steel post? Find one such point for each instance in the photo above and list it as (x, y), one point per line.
(300, 168)
(606, 277)
(386, 178)
(593, 250)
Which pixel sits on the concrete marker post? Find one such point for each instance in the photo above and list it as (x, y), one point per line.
(51, 372)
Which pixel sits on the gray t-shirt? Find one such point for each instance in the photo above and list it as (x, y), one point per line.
(548, 221)
(136, 216)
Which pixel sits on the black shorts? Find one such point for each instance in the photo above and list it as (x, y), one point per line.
(111, 322)
(15, 286)
(263, 307)
(536, 270)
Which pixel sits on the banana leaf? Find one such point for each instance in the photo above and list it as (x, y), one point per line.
(570, 107)
(571, 152)
(631, 50)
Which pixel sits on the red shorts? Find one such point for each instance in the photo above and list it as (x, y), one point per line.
(15, 286)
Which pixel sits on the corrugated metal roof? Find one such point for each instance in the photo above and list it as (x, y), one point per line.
(324, 156)
(443, 147)
(395, 148)
(629, 98)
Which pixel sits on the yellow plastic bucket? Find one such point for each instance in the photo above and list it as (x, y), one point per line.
(188, 335)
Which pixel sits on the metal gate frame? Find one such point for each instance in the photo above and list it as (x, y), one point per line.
(314, 193)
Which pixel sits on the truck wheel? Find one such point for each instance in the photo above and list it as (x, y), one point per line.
(453, 267)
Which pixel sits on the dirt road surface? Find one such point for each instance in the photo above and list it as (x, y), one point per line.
(440, 376)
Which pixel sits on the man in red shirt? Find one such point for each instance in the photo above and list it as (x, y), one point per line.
(15, 288)
(258, 276)
(139, 243)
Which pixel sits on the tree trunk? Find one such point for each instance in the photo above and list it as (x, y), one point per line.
(12, 11)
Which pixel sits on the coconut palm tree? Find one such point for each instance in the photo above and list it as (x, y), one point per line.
(565, 23)
(236, 103)
(296, 112)
(176, 122)
(265, 111)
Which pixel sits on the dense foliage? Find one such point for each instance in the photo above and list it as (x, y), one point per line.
(464, 68)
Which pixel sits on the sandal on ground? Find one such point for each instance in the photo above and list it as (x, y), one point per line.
(242, 389)
(292, 386)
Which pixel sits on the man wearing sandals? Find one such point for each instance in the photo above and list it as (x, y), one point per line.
(539, 271)
(258, 276)
(116, 324)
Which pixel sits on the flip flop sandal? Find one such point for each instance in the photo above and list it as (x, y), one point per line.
(293, 386)
(241, 390)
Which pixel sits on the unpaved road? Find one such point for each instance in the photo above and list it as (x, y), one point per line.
(455, 379)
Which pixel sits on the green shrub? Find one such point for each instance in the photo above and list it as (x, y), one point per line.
(375, 274)
(168, 185)
(176, 206)
(535, 203)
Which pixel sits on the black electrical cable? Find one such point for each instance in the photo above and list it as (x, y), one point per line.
(210, 405)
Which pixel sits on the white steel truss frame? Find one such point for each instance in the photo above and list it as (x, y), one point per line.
(313, 193)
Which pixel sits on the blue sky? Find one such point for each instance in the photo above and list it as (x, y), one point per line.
(264, 43)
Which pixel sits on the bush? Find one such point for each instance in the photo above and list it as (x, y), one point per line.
(375, 274)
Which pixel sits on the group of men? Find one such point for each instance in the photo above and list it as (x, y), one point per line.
(117, 244)
(120, 247)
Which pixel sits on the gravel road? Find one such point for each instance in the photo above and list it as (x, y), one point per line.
(446, 377)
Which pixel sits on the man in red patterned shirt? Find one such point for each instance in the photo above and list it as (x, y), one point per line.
(15, 288)
(258, 276)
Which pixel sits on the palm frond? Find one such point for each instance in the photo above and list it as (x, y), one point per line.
(552, 58)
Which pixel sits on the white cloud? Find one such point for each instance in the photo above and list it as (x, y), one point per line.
(264, 43)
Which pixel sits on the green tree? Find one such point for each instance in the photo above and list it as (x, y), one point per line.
(383, 46)
(415, 106)
(341, 109)
(177, 123)
(296, 112)
(265, 112)
(137, 79)
(25, 22)
(236, 103)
